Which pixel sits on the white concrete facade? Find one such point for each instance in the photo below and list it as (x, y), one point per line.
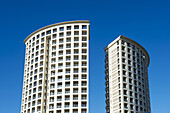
(126, 69)
(56, 74)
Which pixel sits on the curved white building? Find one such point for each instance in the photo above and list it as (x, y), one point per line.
(56, 74)
(127, 87)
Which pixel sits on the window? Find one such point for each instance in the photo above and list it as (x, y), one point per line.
(84, 44)
(76, 44)
(59, 91)
(38, 36)
(125, 99)
(84, 76)
(54, 42)
(123, 54)
(68, 58)
(75, 104)
(84, 63)
(128, 50)
(84, 32)
(68, 27)
(84, 70)
(123, 48)
(76, 32)
(67, 77)
(124, 79)
(83, 104)
(125, 92)
(52, 79)
(67, 91)
(131, 94)
(67, 71)
(123, 60)
(66, 111)
(75, 83)
(75, 90)
(84, 38)
(33, 39)
(75, 110)
(61, 34)
(58, 105)
(75, 70)
(60, 46)
(76, 27)
(129, 56)
(128, 44)
(61, 28)
(76, 51)
(75, 77)
(59, 85)
(48, 32)
(60, 52)
(76, 38)
(83, 83)
(84, 26)
(76, 63)
(51, 99)
(124, 72)
(130, 80)
(84, 57)
(84, 50)
(51, 92)
(54, 36)
(53, 54)
(84, 97)
(83, 111)
(54, 30)
(33, 44)
(68, 45)
(124, 66)
(67, 64)
(59, 78)
(68, 39)
(68, 34)
(42, 45)
(52, 86)
(123, 42)
(68, 51)
(67, 97)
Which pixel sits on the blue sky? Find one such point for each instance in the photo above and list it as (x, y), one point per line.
(145, 21)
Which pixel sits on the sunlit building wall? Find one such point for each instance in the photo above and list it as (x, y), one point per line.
(56, 74)
(126, 69)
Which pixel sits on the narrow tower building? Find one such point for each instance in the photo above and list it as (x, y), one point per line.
(126, 69)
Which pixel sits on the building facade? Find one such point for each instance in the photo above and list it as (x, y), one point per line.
(56, 74)
(126, 69)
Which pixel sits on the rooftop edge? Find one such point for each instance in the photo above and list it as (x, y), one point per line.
(121, 36)
(56, 24)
